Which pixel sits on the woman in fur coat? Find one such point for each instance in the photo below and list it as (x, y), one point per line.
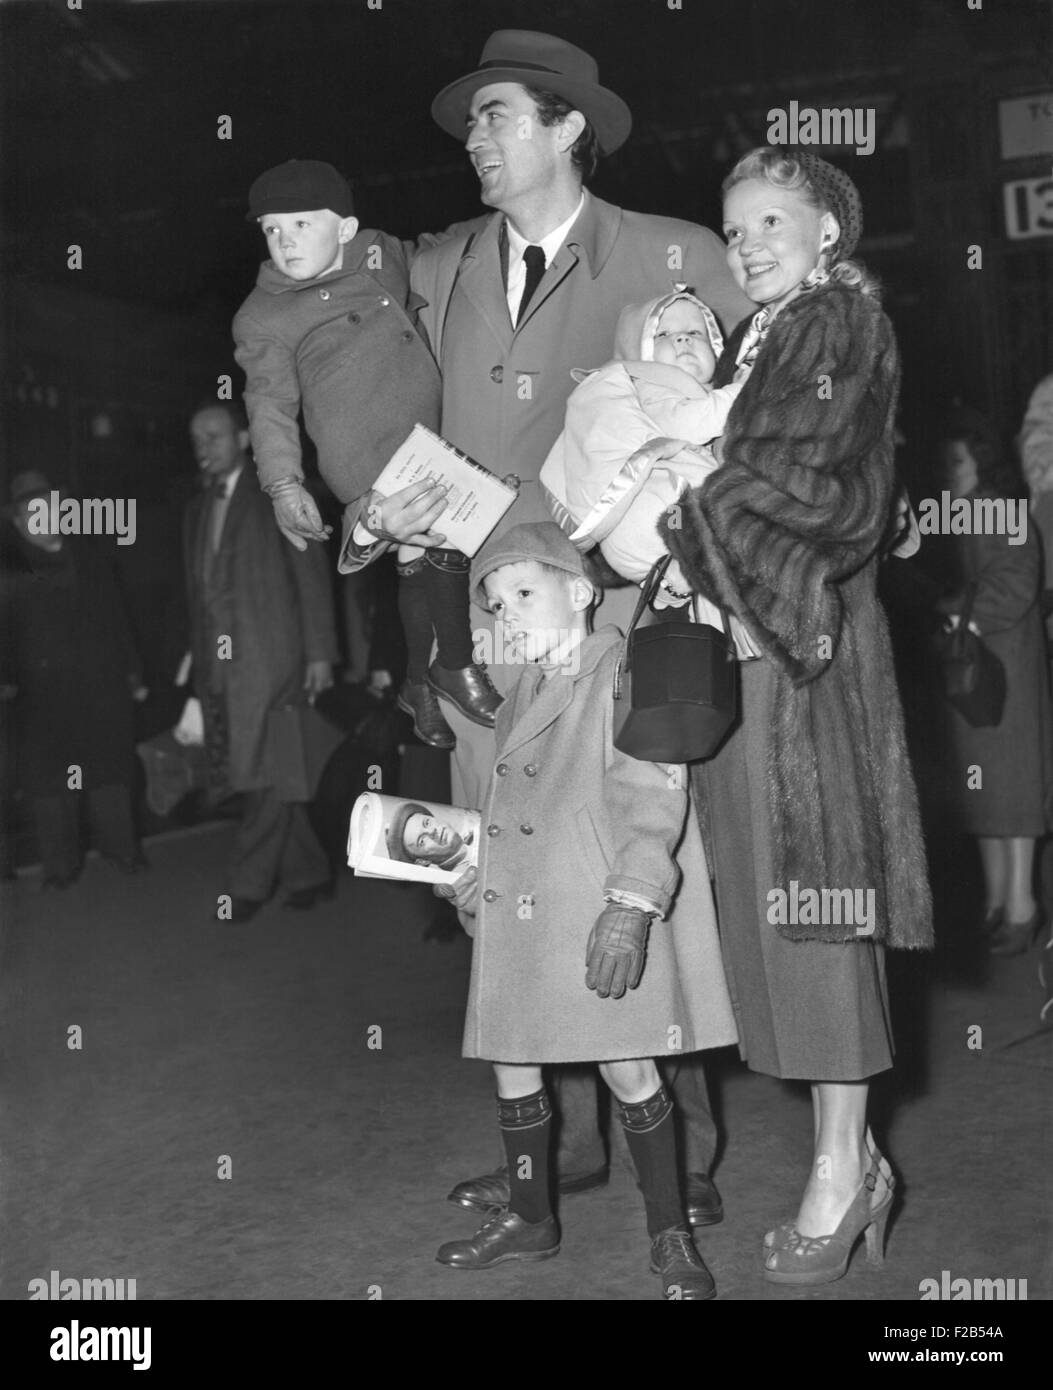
(810, 805)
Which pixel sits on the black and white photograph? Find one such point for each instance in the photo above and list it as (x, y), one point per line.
(526, 639)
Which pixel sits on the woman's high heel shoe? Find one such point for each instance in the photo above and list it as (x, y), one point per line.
(1014, 938)
(822, 1259)
(781, 1234)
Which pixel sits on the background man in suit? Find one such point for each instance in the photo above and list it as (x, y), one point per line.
(262, 634)
(516, 300)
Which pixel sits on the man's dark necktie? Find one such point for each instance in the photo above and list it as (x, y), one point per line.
(534, 260)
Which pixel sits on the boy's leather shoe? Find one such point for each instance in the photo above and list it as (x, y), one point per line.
(684, 1274)
(417, 700)
(502, 1236)
(704, 1207)
(491, 1190)
(470, 689)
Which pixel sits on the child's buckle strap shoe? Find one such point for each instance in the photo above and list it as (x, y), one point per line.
(503, 1236)
(470, 689)
(682, 1268)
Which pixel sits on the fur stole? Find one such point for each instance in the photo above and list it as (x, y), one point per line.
(787, 534)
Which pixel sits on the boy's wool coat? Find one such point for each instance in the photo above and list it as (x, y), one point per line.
(568, 817)
(346, 346)
(788, 534)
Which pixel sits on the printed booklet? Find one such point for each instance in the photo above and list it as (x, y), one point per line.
(477, 500)
(420, 841)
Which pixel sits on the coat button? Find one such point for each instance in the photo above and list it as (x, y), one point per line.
(354, 317)
(527, 829)
(324, 294)
(501, 769)
(530, 770)
(385, 300)
(497, 374)
(493, 830)
(490, 896)
(408, 335)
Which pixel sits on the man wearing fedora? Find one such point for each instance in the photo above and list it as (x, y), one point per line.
(515, 301)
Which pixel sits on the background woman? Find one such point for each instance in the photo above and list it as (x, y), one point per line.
(1007, 812)
(814, 786)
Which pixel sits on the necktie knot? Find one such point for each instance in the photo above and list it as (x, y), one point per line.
(534, 260)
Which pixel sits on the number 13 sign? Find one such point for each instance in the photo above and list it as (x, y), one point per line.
(1029, 208)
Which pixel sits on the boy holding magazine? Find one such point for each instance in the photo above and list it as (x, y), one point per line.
(578, 953)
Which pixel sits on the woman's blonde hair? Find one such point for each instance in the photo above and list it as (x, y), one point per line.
(783, 169)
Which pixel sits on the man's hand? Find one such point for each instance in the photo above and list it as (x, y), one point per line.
(317, 677)
(297, 515)
(617, 950)
(408, 515)
(464, 891)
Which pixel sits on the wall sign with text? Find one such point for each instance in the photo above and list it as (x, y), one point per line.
(1028, 208)
(1025, 125)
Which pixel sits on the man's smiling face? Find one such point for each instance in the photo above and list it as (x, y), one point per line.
(518, 160)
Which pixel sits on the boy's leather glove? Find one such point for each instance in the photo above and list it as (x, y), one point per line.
(617, 950)
(296, 513)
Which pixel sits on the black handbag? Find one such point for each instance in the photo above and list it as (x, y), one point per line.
(973, 677)
(675, 684)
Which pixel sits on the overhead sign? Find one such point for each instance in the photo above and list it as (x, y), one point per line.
(1025, 125)
(1029, 208)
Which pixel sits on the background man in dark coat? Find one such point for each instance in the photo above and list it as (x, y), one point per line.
(262, 635)
(515, 301)
(68, 664)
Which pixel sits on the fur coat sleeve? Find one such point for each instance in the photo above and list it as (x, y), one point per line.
(802, 499)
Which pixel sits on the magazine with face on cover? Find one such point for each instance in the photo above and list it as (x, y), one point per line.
(418, 841)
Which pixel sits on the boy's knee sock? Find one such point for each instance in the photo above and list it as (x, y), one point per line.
(416, 619)
(447, 588)
(648, 1126)
(526, 1128)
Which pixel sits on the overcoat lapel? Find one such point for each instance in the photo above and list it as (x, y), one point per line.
(482, 281)
(528, 720)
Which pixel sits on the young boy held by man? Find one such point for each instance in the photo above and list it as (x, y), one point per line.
(331, 326)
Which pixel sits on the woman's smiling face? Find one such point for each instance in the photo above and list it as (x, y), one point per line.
(774, 238)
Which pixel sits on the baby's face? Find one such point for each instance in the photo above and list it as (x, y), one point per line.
(681, 340)
(304, 245)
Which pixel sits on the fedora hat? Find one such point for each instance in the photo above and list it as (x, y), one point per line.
(544, 62)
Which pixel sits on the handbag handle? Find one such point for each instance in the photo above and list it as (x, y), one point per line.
(648, 590)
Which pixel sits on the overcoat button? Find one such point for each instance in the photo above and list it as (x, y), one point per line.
(354, 317)
(408, 335)
(324, 294)
(530, 770)
(497, 374)
(493, 830)
(501, 769)
(385, 300)
(527, 829)
(490, 896)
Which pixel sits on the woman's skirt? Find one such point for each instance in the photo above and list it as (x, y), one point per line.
(806, 1010)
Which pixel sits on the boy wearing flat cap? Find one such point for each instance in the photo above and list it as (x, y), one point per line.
(332, 325)
(579, 955)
